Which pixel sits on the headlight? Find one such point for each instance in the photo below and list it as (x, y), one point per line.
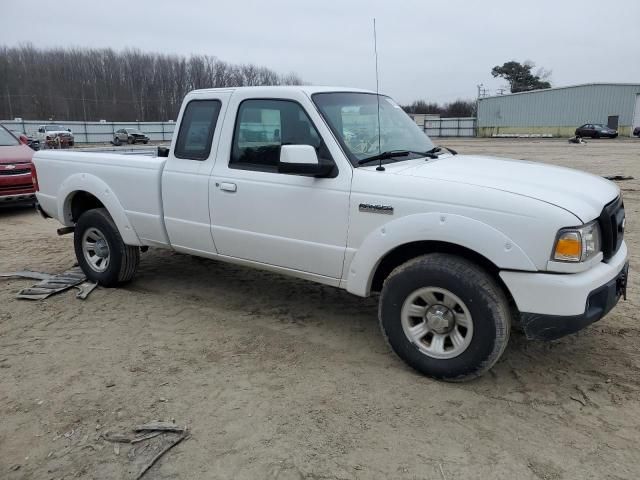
(577, 244)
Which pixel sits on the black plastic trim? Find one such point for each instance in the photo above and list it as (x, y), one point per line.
(599, 302)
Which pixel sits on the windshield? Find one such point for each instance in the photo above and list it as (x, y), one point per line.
(353, 117)
(131, 130)
(6, 139)
(54, 128)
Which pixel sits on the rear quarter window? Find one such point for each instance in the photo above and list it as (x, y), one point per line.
(196, 129)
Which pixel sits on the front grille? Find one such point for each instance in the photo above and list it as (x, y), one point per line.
(611, 222)
(17, 171)
(9, 188)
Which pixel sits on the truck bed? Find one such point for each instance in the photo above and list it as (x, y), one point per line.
(134, 181)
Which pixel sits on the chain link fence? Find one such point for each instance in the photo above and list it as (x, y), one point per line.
(96, 132)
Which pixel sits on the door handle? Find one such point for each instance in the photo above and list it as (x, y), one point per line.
(228, 187)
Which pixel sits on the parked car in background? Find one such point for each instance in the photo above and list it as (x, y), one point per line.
(55, 136)
(596, 130)
(28, 140)
(16, 185)
(130, 136)
(636, 131)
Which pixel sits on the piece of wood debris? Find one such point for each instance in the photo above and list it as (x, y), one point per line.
(162, 426)
(579, 400)
(146, 437)
(117, 437)
(161, 453)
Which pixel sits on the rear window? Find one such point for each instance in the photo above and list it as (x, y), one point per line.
(196, 129)
(6, 139)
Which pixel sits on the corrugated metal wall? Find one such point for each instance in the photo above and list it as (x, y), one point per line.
(560, 107)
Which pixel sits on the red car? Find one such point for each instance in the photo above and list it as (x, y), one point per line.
(16, 185)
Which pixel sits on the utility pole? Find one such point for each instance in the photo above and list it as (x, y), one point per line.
(84, 108)
(9, 100)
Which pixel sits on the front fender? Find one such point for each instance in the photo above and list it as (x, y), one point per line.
(443, 227)
(85, 182)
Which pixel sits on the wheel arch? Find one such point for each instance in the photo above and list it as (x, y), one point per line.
(408, 237)
(81, 192)
(403, 253)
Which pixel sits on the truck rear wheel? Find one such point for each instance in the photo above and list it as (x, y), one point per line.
(100, 250)
(445, 316)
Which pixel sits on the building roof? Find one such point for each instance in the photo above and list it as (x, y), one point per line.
(594, 84)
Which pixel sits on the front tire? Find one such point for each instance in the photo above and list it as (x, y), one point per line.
(100, 250)
(445, 316)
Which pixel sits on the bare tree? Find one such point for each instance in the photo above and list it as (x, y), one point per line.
(93, 84)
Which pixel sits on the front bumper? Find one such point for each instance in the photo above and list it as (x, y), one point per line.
(599, 303)
(24, 198)
(554, 305)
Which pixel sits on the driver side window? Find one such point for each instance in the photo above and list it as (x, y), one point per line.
(262, 126)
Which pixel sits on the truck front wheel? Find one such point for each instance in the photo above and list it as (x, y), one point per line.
(445, 316)
(101, 253)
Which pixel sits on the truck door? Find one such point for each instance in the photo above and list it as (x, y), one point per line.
(260, 215)
(185, 179)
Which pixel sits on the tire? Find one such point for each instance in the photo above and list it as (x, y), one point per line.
(596, 135)
(473, 295)
(120, 262)
(116, 141)
(131, 141)
(145, 141)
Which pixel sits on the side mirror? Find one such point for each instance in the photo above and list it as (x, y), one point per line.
(69, 130)
(302, 160)
(163, 151)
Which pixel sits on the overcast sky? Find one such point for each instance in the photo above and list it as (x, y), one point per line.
(437, 51)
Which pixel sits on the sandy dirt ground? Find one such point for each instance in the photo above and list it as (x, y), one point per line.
(281, 378)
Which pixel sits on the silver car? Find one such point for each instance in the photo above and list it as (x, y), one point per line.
(130, 136)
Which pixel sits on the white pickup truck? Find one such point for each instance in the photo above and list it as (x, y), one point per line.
(340, 187)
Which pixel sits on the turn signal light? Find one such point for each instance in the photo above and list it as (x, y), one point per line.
(569, 247)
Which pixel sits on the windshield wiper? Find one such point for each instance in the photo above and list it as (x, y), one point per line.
(391, 154)
(435, 150)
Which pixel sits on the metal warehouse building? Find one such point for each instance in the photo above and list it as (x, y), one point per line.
(559, 111)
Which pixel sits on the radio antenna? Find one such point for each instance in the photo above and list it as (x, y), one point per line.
(380, 168)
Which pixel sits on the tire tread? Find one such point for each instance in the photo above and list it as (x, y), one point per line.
(487, 286)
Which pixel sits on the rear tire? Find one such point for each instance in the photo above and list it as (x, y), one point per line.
(100, 250)
(116, 141)
(445, 316)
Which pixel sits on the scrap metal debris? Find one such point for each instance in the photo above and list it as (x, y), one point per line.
(618, 177)
(51, 284)
(54, 284)
(85, 288)
(27, 274)
(146, 432)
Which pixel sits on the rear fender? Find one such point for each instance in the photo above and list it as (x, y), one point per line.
(85, 182)
(442, 227)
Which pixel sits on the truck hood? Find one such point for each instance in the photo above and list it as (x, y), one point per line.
(580, 193)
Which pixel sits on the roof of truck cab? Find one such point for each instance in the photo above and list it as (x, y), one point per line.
(308, 89)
